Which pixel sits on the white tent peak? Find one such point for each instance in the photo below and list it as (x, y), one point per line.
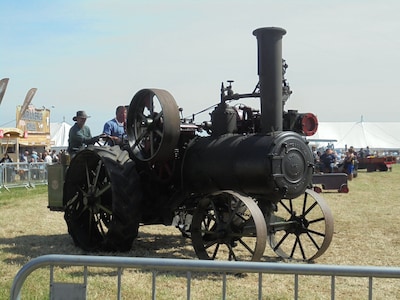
(59, 134)
(376, 135)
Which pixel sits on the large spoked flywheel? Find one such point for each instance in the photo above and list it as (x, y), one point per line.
(153, 125)
(102, 197)
(302, 228)
(228, 226)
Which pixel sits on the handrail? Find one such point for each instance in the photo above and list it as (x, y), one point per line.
(192, 266)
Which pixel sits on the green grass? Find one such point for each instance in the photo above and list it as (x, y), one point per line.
(13, 195)
(367, 231)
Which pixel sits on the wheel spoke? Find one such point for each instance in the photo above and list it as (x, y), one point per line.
(281, 241)
(310, 208)
(214, 255)
(291, 205)
(90, 201)
(232, 255)
(72, 200)
(317, 220)
(304, 204)
(301, 248)
(251, 251)
(313, 241)
(289, 210)
(228, 218)
(153, 125)
(304, 235)
(139, 140)
(210, 244)
(316, 232)
(97, 174)
(104, 189)
(152, 142)
(158, 133)
(87, 176)
(159, 116)
(294, 246)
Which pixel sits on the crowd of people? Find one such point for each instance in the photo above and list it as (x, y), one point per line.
(46, 156)
(330, 161)
(33, 161)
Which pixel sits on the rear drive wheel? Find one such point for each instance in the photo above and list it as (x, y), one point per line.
(102, 198)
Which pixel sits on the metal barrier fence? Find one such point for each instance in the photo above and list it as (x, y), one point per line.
(22, 174)
(154, 265)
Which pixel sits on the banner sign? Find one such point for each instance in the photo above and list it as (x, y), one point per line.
(34, 120)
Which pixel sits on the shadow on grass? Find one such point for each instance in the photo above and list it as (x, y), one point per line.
(158, 245)
(21, 249)
(25, 247)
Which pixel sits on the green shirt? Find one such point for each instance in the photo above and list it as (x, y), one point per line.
(78, 137)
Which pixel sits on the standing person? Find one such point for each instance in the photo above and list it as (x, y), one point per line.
(80, 134)
(349, 162)
(367, 152)
(47, 158)
(316, 155)
(34, 155)
(115, 128)
(9, 169)
(24, 157)
(6, 158)
(54, 156)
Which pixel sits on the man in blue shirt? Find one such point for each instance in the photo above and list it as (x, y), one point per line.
(115, 128)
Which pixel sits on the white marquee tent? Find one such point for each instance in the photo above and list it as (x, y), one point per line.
(376, 135)
(59, 135)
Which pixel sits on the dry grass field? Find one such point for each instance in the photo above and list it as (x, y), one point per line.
(367, 232)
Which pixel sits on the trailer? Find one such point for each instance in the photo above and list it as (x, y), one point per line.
(374, 163)
(330, 181)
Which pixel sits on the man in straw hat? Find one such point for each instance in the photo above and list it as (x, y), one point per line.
(79, 134)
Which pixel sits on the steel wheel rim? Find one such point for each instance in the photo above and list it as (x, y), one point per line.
(91, 205)
(228, 231)
(291, 235)
(153, 125)
(101, 197)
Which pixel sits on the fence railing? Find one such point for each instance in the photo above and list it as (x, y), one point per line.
(22, 174)
(154, 265)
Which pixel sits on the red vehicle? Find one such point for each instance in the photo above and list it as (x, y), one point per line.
(373, 163)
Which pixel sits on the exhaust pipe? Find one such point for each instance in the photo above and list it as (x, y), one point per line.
(270, 77)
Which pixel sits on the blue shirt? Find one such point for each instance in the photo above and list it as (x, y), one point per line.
(114, 128)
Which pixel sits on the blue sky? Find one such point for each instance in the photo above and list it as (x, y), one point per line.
(343, 56)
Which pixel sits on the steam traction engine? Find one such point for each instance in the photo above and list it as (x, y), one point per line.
(242, 183)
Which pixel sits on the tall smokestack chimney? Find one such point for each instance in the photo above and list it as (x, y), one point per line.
(270, 77)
